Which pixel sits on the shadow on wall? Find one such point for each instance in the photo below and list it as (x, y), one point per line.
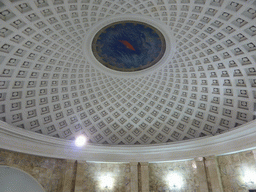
(16, 180)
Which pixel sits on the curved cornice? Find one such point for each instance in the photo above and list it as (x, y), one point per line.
(28, 142)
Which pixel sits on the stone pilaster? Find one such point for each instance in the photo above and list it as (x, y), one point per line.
(134, 176)
(69, 176)
(254, 154)
(213, 173)
(144, 177)
(201, 175)
(79, 183)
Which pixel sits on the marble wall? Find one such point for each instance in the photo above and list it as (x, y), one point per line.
(103, 177)
(227, 173)
(49, 172)
(237, 170)
(160, 178)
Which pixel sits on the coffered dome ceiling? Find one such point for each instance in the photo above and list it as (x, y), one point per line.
(50, 87)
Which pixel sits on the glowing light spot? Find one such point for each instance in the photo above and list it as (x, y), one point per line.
(194, 165)
(249, 176)
(174, 180)
(106, 182)
(80, 141)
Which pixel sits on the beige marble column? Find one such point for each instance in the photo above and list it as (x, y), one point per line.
(134, 176)
(69, 176)
(213, 173)
(201, 175)
(144, 177)
(79, 183)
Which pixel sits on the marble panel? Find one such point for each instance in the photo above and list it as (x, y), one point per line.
(159, 176)
(237, 171)
(101, 177)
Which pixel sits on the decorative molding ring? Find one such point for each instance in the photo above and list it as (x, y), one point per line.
(24, 141)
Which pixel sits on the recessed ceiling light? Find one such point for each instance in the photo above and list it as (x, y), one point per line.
(80, 141)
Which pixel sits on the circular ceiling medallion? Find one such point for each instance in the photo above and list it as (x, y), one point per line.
(128, 46)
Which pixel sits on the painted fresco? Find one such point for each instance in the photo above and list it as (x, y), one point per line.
(128, 46)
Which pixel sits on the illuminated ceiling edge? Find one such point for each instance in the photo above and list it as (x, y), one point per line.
(20, 140)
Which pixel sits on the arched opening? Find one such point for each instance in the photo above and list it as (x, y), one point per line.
(16, 180)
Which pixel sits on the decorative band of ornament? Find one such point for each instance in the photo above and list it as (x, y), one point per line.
(128, 46)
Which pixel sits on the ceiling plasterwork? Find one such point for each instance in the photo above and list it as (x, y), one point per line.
(49, 86)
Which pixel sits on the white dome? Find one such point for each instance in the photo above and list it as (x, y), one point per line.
(48, 86)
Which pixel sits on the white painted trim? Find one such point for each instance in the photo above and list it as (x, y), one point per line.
(20, 140)
(159, 25)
